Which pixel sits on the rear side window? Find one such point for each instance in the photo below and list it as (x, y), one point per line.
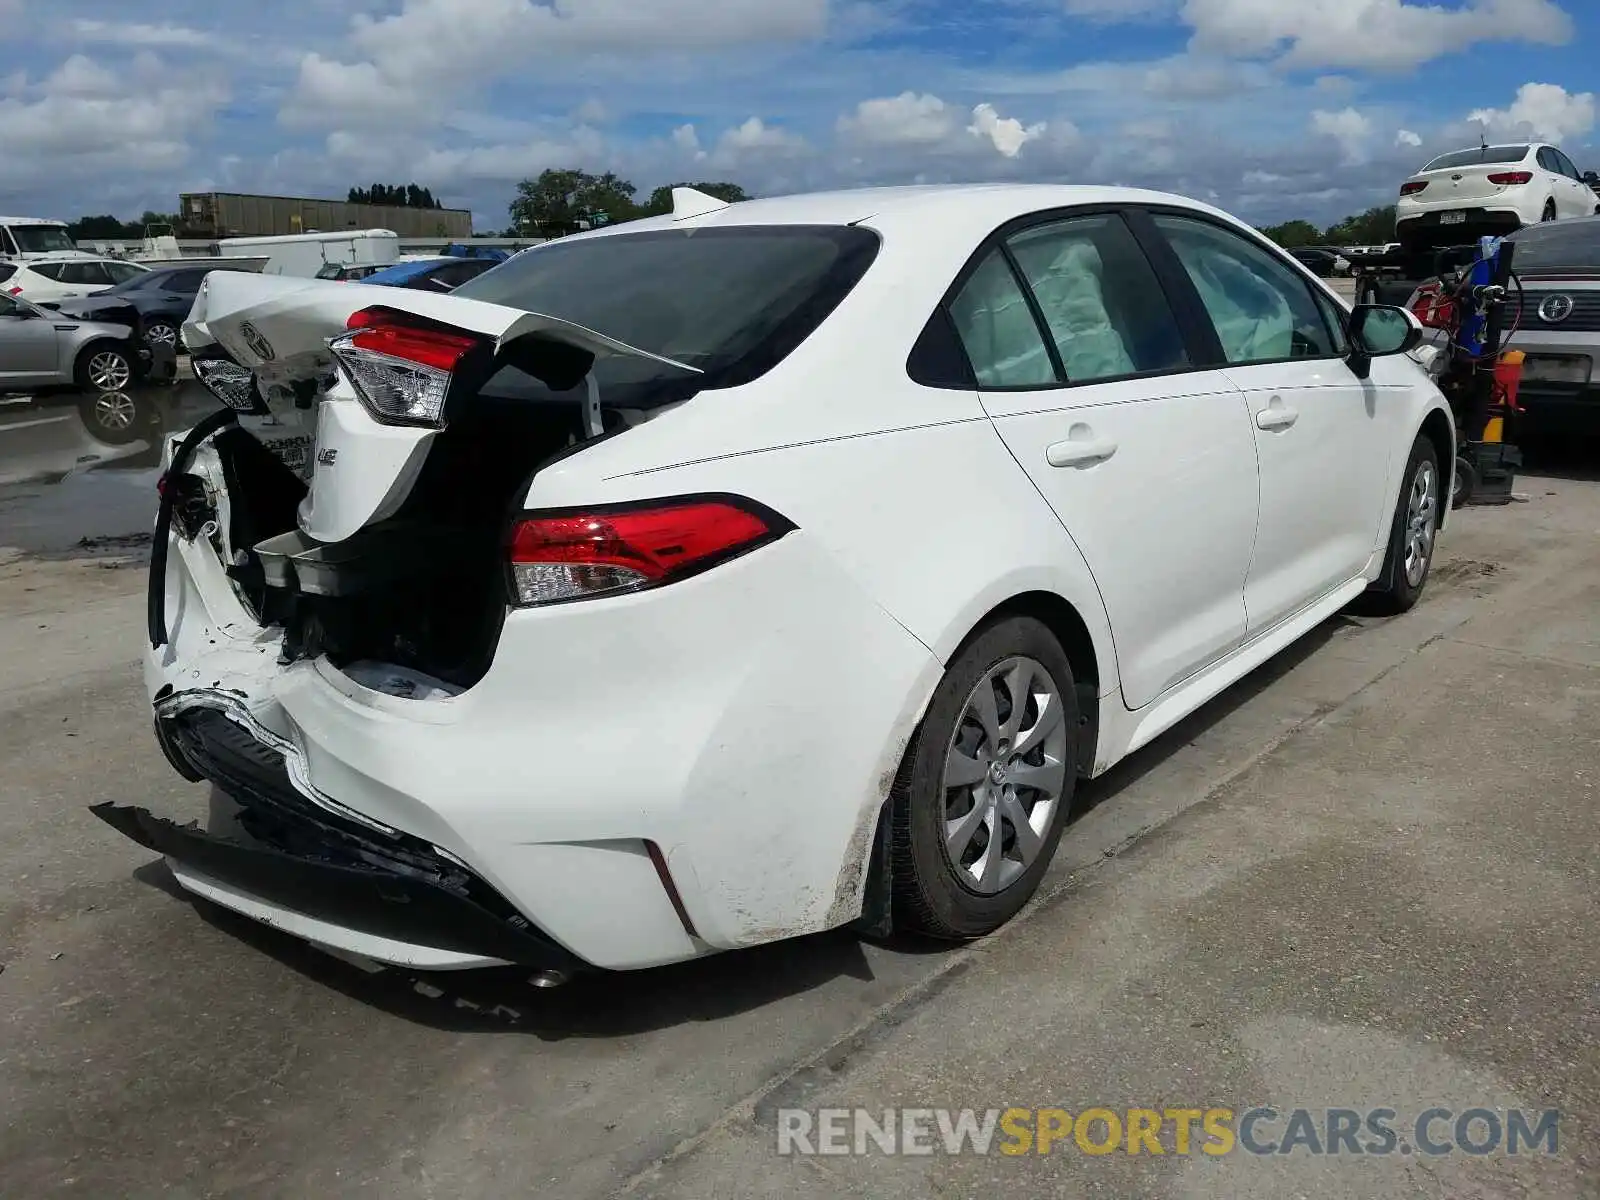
(997, 329)
(1261, 308)
(6, 271)
(48, 270)
(732, 300)
(1100, 299)
(1547, 160)
(123, 272)
(90, 274)
(185, 282)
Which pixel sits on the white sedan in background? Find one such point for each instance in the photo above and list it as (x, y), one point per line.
(745, 572)
(1491, 190)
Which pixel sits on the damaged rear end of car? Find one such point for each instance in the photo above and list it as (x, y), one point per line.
(350, 513)
(471, 682)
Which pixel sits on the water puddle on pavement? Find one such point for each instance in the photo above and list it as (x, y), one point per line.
(78, 473)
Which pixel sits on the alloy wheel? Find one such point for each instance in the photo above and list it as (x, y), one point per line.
(110, 372)
(1005, 772)
(1422, 520)
(161, 334)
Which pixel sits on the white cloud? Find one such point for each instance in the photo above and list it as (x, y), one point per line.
(1540, 110)
(1406, 137)
(755, 139)
(1007, 134)
(907, 119)
(1347, 127)
(1381, 34)
(121, 33)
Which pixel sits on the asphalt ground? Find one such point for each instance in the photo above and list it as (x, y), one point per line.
(1363, 877)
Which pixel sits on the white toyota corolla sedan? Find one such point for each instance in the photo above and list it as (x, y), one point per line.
(750, 571)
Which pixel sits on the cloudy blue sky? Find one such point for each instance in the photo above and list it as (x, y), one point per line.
(1273, 108)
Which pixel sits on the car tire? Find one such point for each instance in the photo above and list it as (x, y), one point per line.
(961, 868)
(1412, 535)
(1463, 483)
(104, 368)
(1549, 213)
(116, 418)
(162, 333)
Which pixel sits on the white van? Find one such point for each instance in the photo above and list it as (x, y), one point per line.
(305, 255)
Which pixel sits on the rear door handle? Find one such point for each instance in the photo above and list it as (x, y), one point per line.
(1075, 453)
(1276, 416)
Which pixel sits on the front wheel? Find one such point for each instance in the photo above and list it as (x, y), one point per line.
(1411, 536)
(104, 368)
(987, 783)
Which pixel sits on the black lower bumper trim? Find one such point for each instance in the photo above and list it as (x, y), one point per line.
(399, 907)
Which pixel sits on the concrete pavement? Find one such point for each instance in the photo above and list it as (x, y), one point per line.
(1365, 876)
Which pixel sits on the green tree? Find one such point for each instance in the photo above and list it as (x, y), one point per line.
(1294, 233)
(1371, 228)
(95, 228)
(660, 202)
(407, 195)
(559, 202)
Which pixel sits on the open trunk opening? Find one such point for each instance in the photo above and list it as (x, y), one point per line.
(424, 590)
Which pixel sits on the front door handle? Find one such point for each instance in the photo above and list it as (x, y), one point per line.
(1276, 416)
(1076, 453)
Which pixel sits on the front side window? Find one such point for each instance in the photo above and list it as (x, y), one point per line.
(1100, 298)
(997, 329)
(1261, 308)
(124, 272)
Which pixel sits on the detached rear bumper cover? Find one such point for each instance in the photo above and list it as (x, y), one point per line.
(408, 921)
(306, 871)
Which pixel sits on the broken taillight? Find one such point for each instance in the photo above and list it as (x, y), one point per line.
(401, 368)
(234, 385)
(561, 556)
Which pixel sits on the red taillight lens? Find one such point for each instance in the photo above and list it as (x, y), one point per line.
(1412, 188)
(14, 291)
(1511, 178)
(570, 556)
(400, 367)
(386, 333)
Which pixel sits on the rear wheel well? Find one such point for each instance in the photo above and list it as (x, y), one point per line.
(1058, 615)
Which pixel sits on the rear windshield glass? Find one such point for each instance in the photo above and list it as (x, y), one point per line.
(329, 270)
(732, 301)
(1558, 244)
(1468, 158)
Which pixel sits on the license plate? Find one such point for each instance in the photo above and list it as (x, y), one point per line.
(1556, 368)
(1453, 218)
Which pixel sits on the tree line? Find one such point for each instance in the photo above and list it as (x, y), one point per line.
(1375, 227)
(394, 195)
(560, 202)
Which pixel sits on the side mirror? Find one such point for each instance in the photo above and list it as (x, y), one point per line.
(1379, 331)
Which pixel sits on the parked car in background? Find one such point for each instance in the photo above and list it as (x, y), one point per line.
(432, 274)
(670, 510)
(1490, 190)
(1321, 261)
(155, 302)
(42, 350)
(51, 280)
(1558, 326)
(347, 272)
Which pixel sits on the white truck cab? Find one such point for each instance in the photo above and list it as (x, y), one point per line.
(23, 239)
